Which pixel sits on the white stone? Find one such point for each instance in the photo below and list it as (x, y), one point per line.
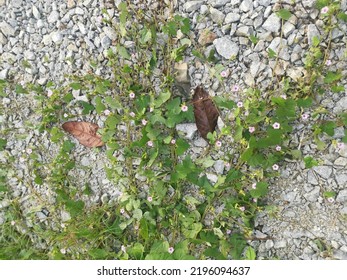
(187, 129)
(232, 17)
(53, 17)
(323, 171)
(7, 29)
(226, 48)
(217, 16)
(218, 3)
(192, 6)
(272, 23)
(36, 13)
(79, 11)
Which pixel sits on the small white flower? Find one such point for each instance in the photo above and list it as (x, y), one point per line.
(150, 199)
(328, 62)
(283, 96)
(235, 88)
(171, 250)
(13, 223)
(122, 211)
(239, 104)
(278, 148)
(224, 74)
(184, 108)
(132, 95)
(242, 208)
(150, 144)
(276, 125)
(331, 199)
(123, 249)
(65, 115)
(173, 141)
(63, 251)
(305, 116)
(107, 112)
(228, 231)
(49, 93)
(29, 151)
(251, 129)
(275, 167)
(255, 200)
(324, 10)
(254, 185)
(144, 122)
(132, 114)
(218, 143)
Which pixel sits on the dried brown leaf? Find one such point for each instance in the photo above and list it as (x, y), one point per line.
(205, 112)
(85, 133)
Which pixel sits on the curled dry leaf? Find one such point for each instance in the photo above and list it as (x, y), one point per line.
(205, 112)
(85, 133)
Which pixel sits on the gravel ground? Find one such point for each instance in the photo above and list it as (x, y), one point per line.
(56, 37)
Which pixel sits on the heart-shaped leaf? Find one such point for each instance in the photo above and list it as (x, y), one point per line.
(85, 133)
(205, 112)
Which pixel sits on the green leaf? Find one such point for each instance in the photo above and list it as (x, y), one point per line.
(315, 43)
(260, 191)
(3, 143)
(87, 108)
(113, 103)
(310, 162)
(19, 89)
(123, 52)
(254, 39)
(271, 53)
(337, 88)
(342, 16)
(250, 253)
(136, 251)
(74, 207)
(98, 254)
(284, 14)
(99, 106)
(192, 230)
(137, 214)
(328, 127)
(332, 77)
(223, 102)
(182, 146)
(328, 194)
(304, 102)
(162, 98)
(76, 86)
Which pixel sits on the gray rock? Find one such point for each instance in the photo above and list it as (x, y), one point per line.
(341, 180)
(288, 28)
(56, 37)
(203, 10)
(269, 244)
(313, 195)
(272, 23)
(192, 6)
(36, 12)
(29, 55)
(340, 255)
(246, 5)
(212, 177)
(311, 178)
(79, 11)
(65, 216)
(110, 32)
(219, 166)
(323, 171)
(244, 31)
(308, 3)
(342, 196)
(105, 42)
(217, 16)
(232, 17)
(341, 161)
(226, 48)
(280, 244)
(187, 129)
(264, 3)
(2, 2)
(53, 17)
(17, 3)
(341, 106)
(3, 74)
(3, 39)
(7, 29)
(218, 3)
(312, 32)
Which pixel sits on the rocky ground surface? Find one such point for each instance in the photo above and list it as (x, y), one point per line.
(44, 40)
